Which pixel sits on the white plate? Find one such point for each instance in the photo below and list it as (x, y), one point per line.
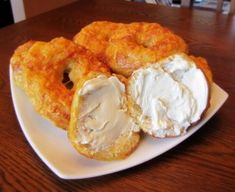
(53, 147)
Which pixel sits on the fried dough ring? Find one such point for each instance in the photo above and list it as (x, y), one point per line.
(126, 47)
(139, 44)
(38, 68)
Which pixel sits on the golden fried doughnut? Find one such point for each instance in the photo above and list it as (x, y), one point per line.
(38, 68)
(138, 44)
(100, 126)
(125, 47)
(96, 35)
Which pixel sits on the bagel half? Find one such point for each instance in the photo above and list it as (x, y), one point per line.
(100, 126)
(167, 97)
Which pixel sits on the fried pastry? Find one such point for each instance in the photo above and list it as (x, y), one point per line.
(126, 47)
(39, 68)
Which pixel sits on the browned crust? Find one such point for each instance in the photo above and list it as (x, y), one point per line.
(96, 35)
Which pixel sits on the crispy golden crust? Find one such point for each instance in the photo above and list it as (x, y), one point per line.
(19, 66)
(120, 149)
(96, 35)
(125, 47)
(38, 68)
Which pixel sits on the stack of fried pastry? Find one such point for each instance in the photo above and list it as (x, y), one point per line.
(112, 82)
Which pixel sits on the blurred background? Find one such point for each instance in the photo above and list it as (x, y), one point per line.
(13, 11)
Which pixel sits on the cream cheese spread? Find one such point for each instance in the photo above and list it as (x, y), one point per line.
(103, 114)
(173, 94)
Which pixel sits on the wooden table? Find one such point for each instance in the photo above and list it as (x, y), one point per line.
(204, 162)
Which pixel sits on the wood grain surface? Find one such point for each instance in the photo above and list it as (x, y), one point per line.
(204, 162)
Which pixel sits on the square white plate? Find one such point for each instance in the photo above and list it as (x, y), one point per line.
(53, 147)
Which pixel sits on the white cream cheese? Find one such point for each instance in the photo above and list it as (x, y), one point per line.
(103, 115)
(186, 72)
(172, 94)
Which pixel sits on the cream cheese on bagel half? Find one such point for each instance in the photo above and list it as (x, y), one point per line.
(100, 126)
(167, 97)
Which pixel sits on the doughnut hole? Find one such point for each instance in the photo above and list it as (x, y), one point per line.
(66, 80)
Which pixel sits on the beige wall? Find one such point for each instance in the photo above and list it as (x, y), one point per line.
(35, 7)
